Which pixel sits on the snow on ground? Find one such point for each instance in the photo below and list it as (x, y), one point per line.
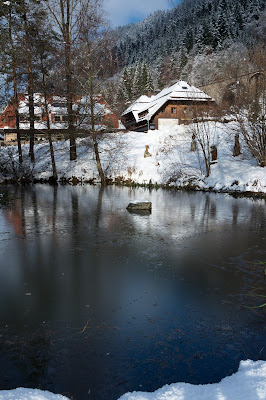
(248, 383)
(29, 394)
(171, 161)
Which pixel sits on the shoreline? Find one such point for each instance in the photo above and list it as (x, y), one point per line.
(74, 181)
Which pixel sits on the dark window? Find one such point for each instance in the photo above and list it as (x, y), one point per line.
(57, 118)
(59, 104)
(65, 118)
(163, 110)
(173, 110)
(23, 118)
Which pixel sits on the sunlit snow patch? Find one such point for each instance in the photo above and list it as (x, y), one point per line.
(29, 394)
(248, 383)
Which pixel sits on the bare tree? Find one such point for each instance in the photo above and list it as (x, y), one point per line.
(23, 9)
(95, 61)
(45, 54)
(66, 15)
(14, 78)
(249, 107)
(203, 133)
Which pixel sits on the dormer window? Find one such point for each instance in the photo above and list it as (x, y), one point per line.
(184, 87)
(58, 104)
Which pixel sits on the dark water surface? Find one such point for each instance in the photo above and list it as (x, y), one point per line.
(95, 301)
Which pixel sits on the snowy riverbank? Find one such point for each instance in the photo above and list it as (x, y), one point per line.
(171, 161)
(248, 383)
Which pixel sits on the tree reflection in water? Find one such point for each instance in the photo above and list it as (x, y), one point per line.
(95, 298)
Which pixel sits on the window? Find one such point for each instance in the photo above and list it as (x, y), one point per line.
(62, 104)
(57, 118)
(143, 113)
(65, 118)
(37, 118)
(23, 118)
(173, 110)
(163, 110)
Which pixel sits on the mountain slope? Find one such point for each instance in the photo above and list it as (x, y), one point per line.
(190, 27)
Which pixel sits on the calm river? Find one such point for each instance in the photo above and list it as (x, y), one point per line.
(96, 301)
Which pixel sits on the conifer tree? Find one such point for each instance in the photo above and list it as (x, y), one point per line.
(149, 84)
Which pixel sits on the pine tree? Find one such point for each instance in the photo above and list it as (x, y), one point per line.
(122, 93)
(138, 83)
(149, 87)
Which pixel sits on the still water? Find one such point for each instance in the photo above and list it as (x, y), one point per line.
(96, 301)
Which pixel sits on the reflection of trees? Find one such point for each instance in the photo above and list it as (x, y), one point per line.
(235, 212)
(99, 208)
(54, 209)
(35, 211)
(257, 222)
(97, 254)
(28, 353)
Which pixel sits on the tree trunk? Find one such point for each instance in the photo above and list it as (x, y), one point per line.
(30, 85)
(15, 85)
(94, 133)
(69, 94)
(49, 129)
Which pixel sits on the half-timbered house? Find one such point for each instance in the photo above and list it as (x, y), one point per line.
(57, 115)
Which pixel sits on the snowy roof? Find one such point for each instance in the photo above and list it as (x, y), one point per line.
(140, 104)
(181, 90)
(58, 104)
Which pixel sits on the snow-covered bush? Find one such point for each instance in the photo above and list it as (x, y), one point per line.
(10, 167)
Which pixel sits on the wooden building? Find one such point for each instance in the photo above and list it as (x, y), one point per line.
(57, 113)
(177, 104)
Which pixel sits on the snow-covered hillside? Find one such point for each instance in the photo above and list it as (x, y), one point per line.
(171, 162)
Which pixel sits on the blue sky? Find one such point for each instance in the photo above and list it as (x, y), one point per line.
(122, 12)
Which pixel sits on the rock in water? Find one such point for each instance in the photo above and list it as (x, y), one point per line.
(139, 205)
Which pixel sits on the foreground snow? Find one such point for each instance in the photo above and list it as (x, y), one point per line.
(248, 383)
(29, 394)
(171, 162)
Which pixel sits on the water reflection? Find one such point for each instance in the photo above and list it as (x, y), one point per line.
(96, 298)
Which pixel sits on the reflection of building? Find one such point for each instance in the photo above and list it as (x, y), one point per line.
(177, 104)
(14, 218)
(57, 114)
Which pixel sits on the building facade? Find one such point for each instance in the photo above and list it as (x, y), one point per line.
(177, 104)
(57, 115)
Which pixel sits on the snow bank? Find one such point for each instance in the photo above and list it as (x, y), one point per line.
(172, 161)
(248, 383)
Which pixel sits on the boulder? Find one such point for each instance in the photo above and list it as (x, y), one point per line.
(139, 205)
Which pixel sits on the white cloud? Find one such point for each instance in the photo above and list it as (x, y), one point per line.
(122, 12)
